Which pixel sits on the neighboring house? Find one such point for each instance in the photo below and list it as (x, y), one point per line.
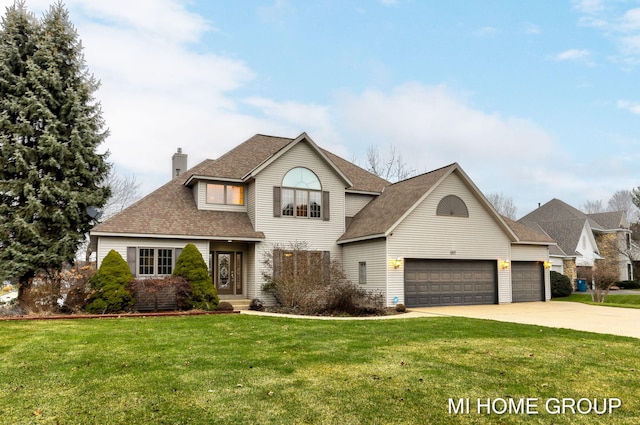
(433, 239)
(583, 238)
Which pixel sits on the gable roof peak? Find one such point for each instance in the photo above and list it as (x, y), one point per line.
(554, 210)
(450, 167)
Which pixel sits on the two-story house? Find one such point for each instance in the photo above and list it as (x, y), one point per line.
(583, 238)
(433, 239)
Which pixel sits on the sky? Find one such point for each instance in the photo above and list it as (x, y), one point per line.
(535, 99)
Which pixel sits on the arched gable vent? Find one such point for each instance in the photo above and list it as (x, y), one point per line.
(452, 206)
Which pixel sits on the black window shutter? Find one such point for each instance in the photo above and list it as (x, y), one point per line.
(325, 206)
(131, 259)
(276, 201)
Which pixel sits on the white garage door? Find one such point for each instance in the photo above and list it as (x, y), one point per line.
(449, 282)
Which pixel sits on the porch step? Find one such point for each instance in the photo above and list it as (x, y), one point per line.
(237, 303)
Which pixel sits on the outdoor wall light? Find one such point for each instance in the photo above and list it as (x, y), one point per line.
(396, 262)
(504, 264)
(547, 264)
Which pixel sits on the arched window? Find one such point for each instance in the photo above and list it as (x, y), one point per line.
(452, 206)
(301, 194)
(302, 178)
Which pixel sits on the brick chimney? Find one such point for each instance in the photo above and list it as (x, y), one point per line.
(178, 163)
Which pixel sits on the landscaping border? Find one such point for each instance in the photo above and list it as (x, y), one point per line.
(115, 315)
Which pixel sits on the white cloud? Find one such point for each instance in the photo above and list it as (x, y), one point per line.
(572, 55)
(633, 107)
(589, 6)
(432, 126)
(487, 31)
(529, 28)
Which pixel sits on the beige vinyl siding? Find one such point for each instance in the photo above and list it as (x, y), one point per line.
(529, 253)
(373, 253)
(120, 244)
(195, 189)
(354, 202)
(423, 234)
(203, 205)
(252, 282)
(250, 200)
(319, 234)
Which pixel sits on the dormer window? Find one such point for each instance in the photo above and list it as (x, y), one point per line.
(225, 194)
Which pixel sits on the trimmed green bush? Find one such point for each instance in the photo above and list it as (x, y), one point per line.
(192, 267)
(109, 286)
(224, 306)
(628, 284)
(560, 285)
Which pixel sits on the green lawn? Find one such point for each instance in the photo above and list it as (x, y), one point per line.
(236, 369)
(612, 300)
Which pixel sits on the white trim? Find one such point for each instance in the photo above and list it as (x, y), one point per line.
(300, 138)
(196, 237)
(361, 192)
(363, 238)
(197, 177)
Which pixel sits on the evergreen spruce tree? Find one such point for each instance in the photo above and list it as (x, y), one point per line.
(50, 129)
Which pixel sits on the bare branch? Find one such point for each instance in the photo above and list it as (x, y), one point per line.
(391, 167)
(503, 204)
(593, 207)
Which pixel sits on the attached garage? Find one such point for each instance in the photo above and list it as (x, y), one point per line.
(527, 281)
(450, 282)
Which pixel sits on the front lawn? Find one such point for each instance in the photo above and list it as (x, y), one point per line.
(235, 369)
(612, 300)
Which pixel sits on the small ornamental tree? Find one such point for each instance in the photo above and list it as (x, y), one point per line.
(192, 267)
(109, 286)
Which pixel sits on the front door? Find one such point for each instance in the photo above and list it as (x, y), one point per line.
(228, 273)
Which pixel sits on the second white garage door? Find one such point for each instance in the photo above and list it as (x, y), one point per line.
(449, 282)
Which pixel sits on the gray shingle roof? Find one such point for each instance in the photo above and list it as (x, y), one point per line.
(610, 220)
(171, 209)
(557, 210)
(565, 232)
(564, 223)
(533, 234)
(379, 215)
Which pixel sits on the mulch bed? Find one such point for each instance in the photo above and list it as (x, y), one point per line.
(114, 316)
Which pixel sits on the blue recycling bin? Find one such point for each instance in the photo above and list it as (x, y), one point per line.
(582, 285)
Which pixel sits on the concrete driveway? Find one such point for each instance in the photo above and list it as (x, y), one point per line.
(556, 314)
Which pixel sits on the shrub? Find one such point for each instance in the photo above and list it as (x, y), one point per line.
(109, 286)
(224, 306)
(167, 293)
(560, 285)
(256, 305)
(400, 308)
(192, 267)
(76, 282)
(628, 284)
(308, 282)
